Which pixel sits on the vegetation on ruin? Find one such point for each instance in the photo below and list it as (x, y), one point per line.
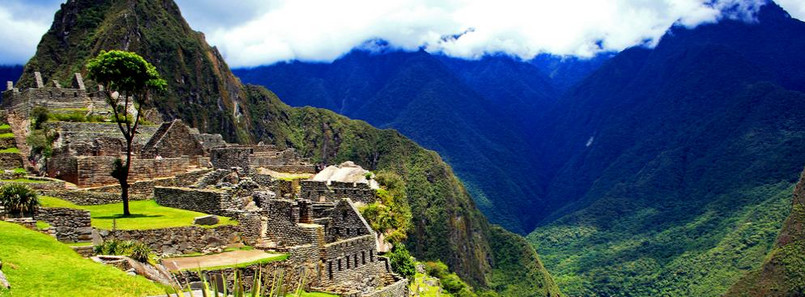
(7, 135)
(18, 199)
(146, 215)
(29, 255)
(5, 127)
(391, 214)
(449, 281)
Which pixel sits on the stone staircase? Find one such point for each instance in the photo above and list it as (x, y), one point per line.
(10, 157)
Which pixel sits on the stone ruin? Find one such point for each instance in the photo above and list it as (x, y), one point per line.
(315, 221)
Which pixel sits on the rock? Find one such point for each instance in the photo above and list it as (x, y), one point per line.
(3, 281)
(206, 220)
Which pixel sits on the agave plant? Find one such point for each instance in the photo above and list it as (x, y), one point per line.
(18, 199)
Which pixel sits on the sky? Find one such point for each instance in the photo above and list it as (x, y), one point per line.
(259, 32)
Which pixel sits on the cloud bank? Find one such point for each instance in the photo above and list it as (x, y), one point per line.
(322, 30)
(259, 32)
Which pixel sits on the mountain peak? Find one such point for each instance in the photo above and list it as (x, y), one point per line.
(155, 29)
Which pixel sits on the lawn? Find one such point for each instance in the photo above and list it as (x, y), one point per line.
(12, 150)
(144, 215)
(38, 265)
(23, 181)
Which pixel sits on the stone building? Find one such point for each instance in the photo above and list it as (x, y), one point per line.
(347, 180)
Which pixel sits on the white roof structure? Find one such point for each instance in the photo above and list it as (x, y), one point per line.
(347, 172)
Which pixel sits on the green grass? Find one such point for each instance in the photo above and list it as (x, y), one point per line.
(12, 150)
(311, 294)
(7, 135)
(145, 215)
(426, 290)
(282, 257)
(38, 265)
(22, 181)
(5, 127)
(20, 170)
(79, 244)
(42, 225)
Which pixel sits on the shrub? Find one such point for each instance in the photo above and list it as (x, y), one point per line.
(136, 250)
(402, 262)
(18, 199)
(40, 115)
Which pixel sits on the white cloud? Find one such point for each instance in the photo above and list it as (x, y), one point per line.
(19, 37)
(255, 32)
(323, 30)
(794, 7)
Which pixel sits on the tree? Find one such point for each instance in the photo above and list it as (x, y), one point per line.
(128, 81)
(402, 262)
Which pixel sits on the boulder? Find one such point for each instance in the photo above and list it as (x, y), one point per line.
(3, 281)
(206, 220)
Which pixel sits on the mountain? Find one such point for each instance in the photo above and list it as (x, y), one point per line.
(783, 273)
(203, 92)
(477, 114)
(197, 74)
(669, 168)
(567, 71)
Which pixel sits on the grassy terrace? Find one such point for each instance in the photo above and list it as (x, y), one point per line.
(38, 265)
(23, 180)
(12, 150)
(144, 214)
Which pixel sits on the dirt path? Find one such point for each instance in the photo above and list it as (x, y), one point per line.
(222, 259)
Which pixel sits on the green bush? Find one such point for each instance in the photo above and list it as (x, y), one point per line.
(402, 262)
(450, 281)
(133, 249)
(18, 199)
(39, 115)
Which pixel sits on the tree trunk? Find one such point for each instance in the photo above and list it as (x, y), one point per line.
(124, 181)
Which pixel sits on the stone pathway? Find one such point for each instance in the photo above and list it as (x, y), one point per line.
(222, 259)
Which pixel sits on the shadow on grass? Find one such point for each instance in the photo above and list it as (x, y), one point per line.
(132, 216)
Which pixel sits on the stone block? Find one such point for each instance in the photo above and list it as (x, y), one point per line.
(206, 220)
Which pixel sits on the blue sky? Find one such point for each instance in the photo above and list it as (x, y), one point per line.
(258, 32)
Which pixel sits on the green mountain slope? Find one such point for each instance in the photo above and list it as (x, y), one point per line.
(447, 225)
(670, 167)
(783, 272)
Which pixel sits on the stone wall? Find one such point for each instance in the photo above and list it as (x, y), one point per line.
(172, 140)
(82, 197)
(200, 200)
(70, 225)
(282, 218)
(346, 222)
(397, 289)
(93, 171)
(146, 187)
(10, 160)
(179, 240)
(352, 262)
(228, 157)
(322, 192)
